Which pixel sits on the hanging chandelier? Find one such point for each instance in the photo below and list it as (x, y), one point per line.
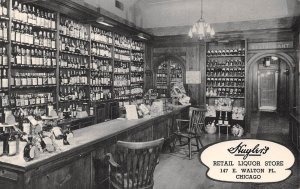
(201, 29)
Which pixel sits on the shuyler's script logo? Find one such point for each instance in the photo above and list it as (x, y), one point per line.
(242, 150)
(248, 160)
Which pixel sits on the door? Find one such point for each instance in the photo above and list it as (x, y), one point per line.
(267, 89)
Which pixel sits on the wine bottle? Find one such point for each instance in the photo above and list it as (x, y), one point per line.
(220, 120)
(29, 150)
(1, 142)
(226, 122)
(42, 142)
(12, 144)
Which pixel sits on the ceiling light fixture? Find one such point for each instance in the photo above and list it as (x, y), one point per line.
(102, 21)
(201, 29)
(142, 36)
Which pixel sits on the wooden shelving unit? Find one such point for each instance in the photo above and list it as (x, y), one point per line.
(225, 74)
(167, 74)
(53, 60)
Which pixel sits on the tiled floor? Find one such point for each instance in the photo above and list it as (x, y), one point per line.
(176, 171)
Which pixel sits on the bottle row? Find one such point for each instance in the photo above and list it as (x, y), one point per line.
(33, 15)
(137, 67)
(100, 35)
(98, 93)
(73, 77)
(225, 69)
(228, 82)
(18, 99)
(136, 78)
(70, 110)
(225, 72)
(101, 65)
(137, 91)
(231, 62)
(73, 61)
(226, 52)
(32, 56)
(121, 67)
(99, 49)
(137, 56)
(73, 29)
(100, 79)
(225, 92)
(21, 33)
(33, 79)
(121, 54)
(122, 41)
(74, 45)
(121, 93)
(121, 80)
(72, 93)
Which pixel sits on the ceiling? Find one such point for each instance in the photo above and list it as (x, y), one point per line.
(151, 14)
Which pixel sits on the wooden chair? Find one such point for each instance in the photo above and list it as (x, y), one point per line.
(193, 131)
(134, 165)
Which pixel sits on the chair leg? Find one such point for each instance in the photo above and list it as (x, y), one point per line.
(200, 142)
(190, 148)
(197, 141)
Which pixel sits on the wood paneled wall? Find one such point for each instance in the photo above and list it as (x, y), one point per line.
(193, 55)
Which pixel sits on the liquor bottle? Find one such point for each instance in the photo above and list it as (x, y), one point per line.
(29, 150)
(42, 142)
(226, 122)
(24, 13)
(68, 136)
(220, 120)
(12, 144)
(18, 33)
(4, 7)
(1, 141)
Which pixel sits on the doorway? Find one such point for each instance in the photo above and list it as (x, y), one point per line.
(283, 100)
(268, 84)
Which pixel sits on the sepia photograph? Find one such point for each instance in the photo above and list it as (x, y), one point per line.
(149, 94)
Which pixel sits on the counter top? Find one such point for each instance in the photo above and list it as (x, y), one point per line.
(82, 138)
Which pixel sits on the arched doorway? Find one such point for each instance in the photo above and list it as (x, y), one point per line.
(169, 69)
(269, 84)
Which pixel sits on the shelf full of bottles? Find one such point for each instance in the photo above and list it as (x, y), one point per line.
(168, 74)
(32, 60)
(225, 70)
(74, 61)
(49, 58)
(4, 67)
(101, 85)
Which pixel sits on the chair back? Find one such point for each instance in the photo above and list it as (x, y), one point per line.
(197, 120)
(137, 162)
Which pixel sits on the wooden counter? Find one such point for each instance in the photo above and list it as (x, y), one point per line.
(81, 164)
